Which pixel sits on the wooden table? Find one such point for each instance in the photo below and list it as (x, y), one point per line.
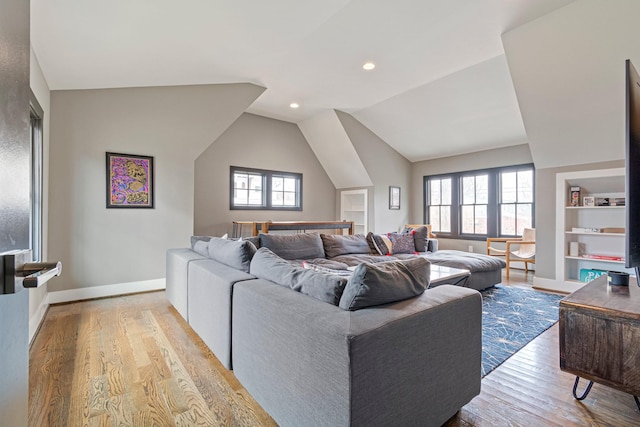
(600, 336)
(266, 226)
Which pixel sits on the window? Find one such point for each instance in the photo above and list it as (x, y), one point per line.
(440, 204)
(516, 201)
(473, 214)
(35, 220)
(265, 189)
(480, 204)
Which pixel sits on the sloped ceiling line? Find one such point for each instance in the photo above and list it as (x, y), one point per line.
(333, 148)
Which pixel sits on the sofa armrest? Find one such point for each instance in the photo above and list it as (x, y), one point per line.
(417, 361)
(177, 265)
(432, 245)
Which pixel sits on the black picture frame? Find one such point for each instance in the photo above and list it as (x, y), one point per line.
(394, 198)
(130, 181)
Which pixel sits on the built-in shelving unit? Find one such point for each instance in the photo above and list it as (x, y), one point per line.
(353, 207)
(603, 183)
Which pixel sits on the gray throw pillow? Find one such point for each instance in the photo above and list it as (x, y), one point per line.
(294, 246)
(322, 286)
(234, 253)
(420, 238)
(196, 239)
(201, 247)
(337, 244)
(385, 282)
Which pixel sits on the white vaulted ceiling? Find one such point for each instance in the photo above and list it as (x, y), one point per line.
(441, 85)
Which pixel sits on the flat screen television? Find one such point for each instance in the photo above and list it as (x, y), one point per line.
(632, 165)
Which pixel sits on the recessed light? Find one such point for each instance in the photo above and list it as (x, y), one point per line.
(368, 66)
(294, 105)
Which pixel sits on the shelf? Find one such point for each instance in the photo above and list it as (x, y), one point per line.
(593, 207)
(608, 261)
(594, 234)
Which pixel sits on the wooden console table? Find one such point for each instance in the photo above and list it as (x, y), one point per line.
(600, 336)
(265, 226)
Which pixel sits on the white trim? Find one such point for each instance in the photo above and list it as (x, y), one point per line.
(105, 291)
(556, 285)
(37, 318)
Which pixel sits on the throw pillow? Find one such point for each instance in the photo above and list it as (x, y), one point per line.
(234, 253)
(385, 282)
(195, 239)
(379, 244)
(294, 246)
(324, 269)
(324, 287)
(201, 247)
(402, 243)
(420, 238)
(338, 244)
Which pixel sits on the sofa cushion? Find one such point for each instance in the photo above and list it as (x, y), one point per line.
(325, 287)
(385, 282)
(294, 246)
(337, 244)
(402, 243)
(234, 253)
(201, 247)
(196, 239)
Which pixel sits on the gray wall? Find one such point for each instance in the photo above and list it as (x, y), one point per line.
(100, 246)
(386, 167)
(14, 205)
(546, 213)
(262, 143)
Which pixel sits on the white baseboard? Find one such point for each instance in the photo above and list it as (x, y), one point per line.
(556, 285)
(37, 318)
(105, 291)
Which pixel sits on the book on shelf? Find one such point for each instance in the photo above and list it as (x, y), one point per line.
(618, 230)
(603, 257)
(586, 230)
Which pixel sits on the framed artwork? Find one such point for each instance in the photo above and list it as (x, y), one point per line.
(129, 181)
(588, 201)
(394, 197)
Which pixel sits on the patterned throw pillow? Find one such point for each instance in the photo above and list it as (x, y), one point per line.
(378, 244)
(402, 243)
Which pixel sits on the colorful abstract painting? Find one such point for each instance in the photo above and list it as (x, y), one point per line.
(129, 181)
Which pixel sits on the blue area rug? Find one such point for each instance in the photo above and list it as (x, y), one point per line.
(511, 317)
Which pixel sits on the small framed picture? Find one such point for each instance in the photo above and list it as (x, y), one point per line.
(588, 201)
(394, 198)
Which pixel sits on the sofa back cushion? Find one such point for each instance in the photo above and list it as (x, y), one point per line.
(385, 282)
(338, 244)
(293, 246)
(234, 253)
(322, 286)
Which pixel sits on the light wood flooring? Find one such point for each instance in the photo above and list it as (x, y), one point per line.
(132, 360)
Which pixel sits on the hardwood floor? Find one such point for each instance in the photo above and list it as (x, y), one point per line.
(132, 360)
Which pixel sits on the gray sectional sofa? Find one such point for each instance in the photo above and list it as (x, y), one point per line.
(310, 358)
